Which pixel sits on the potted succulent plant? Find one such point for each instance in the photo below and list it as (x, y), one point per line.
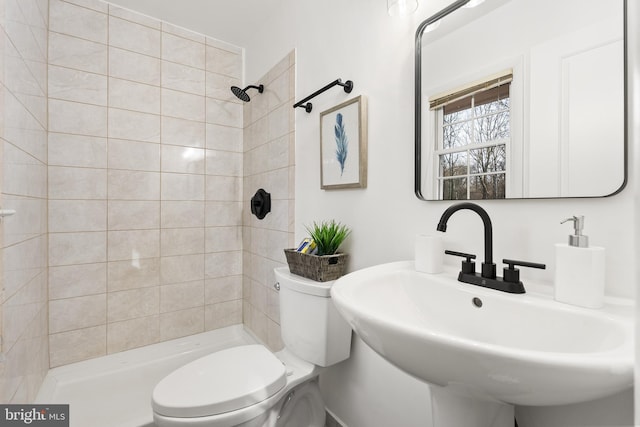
(324, 263)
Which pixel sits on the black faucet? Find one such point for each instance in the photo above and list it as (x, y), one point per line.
(511, 282)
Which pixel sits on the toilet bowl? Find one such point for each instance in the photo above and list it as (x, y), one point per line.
(250, 386)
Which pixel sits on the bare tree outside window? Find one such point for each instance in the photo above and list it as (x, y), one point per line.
(473, 150)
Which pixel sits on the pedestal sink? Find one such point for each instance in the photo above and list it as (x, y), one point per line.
(517, 349)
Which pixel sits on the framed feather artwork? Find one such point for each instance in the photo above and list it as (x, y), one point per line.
(343, 145)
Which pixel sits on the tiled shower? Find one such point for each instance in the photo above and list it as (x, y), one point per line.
(130, 165)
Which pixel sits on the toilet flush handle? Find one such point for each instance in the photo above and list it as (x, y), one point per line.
(286, 402)
(277, 286)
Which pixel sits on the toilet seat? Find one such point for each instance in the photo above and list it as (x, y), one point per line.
(221, 382)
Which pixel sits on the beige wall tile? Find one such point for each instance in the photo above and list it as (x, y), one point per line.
(180, 269)
(219, 44)
(181, 296)
(222, 289)
(25, 41)
(134, 96)
(218, 87)
(76, 118)
(21, 309)
(224, 113)
(271, 156)
(182, 241)
(279, 91)
(24, 130)
(183, 78)
(133, 185)
(187, 133)
(183, 51)
(177, 186)
(273, 304)
(179, 214)
(268, 162)
(98, 5)
(221, 214)
(224, 163)
(23, 262)
(77, 215)
(135, 37)
(75, 85)
(256, 134)
(224, 62)
(223, 188)
(133, 215)
(134, 155)
(183, 32)
(77, 183)
(125, 124)
(181, 323)
(77, 345)
(279, 122)
(258, 297)
(223, 239)
(134, 66)
(133, 244)
(110, 198)
(223, 264)
(134, 17)
(183, 159)
(77, 313)
(72, 52)
(77, 150)
(132, 333)
(274, 338)
(222, 314)
(134, 303)
(31, 222)
(183, 105)
(29, 175)
(77, 280)
(133, 274)
(77, 248)
(77, 21)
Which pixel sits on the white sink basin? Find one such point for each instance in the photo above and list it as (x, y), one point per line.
(519, 349)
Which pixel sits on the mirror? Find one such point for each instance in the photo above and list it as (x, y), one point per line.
(521, 99)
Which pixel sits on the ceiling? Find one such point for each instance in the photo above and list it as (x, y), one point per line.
(232, 21)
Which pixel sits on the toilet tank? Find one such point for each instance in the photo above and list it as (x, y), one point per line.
(310, 325)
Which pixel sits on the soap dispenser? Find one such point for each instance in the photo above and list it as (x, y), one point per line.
(579, 277)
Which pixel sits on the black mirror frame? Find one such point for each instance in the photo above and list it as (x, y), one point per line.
(418, 104)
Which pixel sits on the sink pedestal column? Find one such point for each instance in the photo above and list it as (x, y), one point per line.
(452, 407)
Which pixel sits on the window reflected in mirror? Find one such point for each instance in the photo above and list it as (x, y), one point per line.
(473, 135)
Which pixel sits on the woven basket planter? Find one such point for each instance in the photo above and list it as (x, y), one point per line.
(314, 267)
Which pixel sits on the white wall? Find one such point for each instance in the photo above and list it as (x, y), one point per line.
(357, 40)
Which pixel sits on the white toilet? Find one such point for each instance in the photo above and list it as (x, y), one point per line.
(250, 386)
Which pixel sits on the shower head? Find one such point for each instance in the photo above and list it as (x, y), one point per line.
(242, 93)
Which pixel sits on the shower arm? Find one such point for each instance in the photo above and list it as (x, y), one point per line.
(348, 87)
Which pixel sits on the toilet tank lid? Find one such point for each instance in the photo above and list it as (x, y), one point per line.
(223, 381)
(302, 284)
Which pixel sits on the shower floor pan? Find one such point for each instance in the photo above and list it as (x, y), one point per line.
(115, 390)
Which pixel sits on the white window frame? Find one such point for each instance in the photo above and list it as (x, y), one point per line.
(439, 149)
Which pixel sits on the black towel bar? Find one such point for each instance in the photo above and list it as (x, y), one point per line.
(348, 87)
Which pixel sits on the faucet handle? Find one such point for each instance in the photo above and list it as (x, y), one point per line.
(512, 274)
(468, 266)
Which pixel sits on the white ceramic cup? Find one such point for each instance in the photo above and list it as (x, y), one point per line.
(429, 253)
